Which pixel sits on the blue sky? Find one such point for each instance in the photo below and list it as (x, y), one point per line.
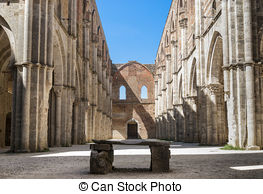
(133, 28)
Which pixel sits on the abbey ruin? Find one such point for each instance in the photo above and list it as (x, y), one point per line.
(58, 85)
(55, 74)
(208, 83)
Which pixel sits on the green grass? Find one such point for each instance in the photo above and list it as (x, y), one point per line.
(230, 147)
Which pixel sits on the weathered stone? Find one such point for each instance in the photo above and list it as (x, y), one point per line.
(101, 162)
(160, 157)
(133, 117)
(216, 82)
(48, 60)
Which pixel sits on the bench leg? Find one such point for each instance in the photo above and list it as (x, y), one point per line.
(101, 162)
(160, 156)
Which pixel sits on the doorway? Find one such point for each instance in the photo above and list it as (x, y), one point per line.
(132, 131)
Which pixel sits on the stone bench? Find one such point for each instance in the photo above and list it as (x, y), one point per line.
(102, 154)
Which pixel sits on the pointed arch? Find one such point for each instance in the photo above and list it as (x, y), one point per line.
(7, 58)
(122, 93)
(144, 92)
(8, 31)
(214, 73)
(59, 59)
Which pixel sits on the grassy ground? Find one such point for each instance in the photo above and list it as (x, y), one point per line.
(230, 147)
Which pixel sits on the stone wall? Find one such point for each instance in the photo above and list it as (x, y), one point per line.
(133, 76)
(59, 69)
(208, 78)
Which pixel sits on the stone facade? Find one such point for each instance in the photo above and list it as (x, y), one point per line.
(55, 76)
(133, 111)
(209, 73)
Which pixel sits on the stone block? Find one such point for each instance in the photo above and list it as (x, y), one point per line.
(101, 162)
(160, 157)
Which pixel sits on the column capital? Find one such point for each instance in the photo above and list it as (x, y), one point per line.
(27, 64)
(168, 57)
(58, 90)
(215, 89)
(190, 98)
(183, 23)
(249, 63)
(174, 43)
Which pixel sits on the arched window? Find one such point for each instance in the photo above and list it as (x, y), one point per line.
(122, 93)
(214, 7)
(144, 92)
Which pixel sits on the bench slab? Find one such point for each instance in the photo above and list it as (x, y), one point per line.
(102, 154)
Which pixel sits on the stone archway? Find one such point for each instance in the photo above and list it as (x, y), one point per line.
(216, 123)
(6, 88)
(55, 96)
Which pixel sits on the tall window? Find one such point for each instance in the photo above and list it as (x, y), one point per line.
(144, 92)
(122, 93)
(214, 7)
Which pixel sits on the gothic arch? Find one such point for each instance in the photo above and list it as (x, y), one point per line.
(132, 63)
(7, 29)
(59, 59)
(7, 59)
(214, 73)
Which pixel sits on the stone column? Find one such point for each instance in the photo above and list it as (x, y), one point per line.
(42, 130)
(58, 92)
(250, 92)
(14, 105)
(179, 122)
(190, 109)
(217, 133)
(18, 109)
(25, 123)
(164, 103)
(225, 47)
(169, 96)
(76, 121)
(34, 107)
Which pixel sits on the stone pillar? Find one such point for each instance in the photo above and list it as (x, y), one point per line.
(216, 133)
(250, 93)
(14, 105)
(75, 123)
(179, 122)
(34, 107)
(190, 113)
(169, 96)
(225, 47)
(58, 92)
(42, 129)
(18, 110)
(164, 104)
(25, 123)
